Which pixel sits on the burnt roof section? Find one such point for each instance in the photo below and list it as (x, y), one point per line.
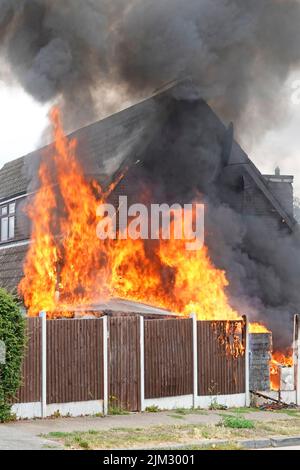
(102, 146)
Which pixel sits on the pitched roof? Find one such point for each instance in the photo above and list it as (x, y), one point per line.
(103, 146)
(107, 145)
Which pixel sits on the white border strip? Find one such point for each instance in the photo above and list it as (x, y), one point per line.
(13, 199)
(80, 408)
(187, 401)
(142, 363)
(170, 403)
(105, 365)
(14, 245)
(297, 356)
(195, 359)
(247, 363)
(43, 317)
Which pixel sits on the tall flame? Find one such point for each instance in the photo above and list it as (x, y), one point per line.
(68, 265)
(64, 262)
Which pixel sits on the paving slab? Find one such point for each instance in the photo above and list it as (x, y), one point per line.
(17, 438)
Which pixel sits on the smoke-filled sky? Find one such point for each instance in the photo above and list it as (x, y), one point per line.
(96, 56)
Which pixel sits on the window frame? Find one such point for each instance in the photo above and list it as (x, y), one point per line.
(7, 220)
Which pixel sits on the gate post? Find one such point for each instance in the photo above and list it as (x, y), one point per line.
(297, 357)
(43, 317)
(195, 359)
(105, 366)
(142, 364)
(247, 362)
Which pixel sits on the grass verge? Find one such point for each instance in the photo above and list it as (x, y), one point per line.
(231, 428)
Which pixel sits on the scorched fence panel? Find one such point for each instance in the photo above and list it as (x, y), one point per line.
(221, 371)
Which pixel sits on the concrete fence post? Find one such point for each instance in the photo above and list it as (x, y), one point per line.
(247, 362)
(43, 317)
(142, 362)
(195, 359)
(105, 365)
(296, 353)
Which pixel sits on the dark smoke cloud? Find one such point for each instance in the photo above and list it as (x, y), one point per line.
(262, 265)
(260, 256)
(238, 52)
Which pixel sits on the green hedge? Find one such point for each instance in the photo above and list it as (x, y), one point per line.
(12, 334)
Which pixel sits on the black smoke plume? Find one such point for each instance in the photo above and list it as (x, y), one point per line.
(100, 53)
(96, 55)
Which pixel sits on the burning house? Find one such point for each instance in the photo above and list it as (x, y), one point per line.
(170, 148)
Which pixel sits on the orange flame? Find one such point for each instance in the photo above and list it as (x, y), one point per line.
(279, 359)
(68, 265)
(258, 328)
(64, 262)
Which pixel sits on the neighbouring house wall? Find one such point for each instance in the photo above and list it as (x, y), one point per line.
(254, 201)
(282, 188)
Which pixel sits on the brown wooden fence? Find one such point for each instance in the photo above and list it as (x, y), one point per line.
(74, 360)
(30, 390)
(168, 358)
(219, 373)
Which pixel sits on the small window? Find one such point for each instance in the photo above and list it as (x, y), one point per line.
(7, 222)
(12, 208)
(4, 229)
(11, 227)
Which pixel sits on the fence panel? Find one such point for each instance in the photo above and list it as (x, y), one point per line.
(168, 358)
(74, 360)
(219, 372)
(124, 362)
(30, 391)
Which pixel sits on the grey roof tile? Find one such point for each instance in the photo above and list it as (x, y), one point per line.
(11, 266)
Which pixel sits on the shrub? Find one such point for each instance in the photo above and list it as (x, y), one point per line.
(12, 335)
(237, 422)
